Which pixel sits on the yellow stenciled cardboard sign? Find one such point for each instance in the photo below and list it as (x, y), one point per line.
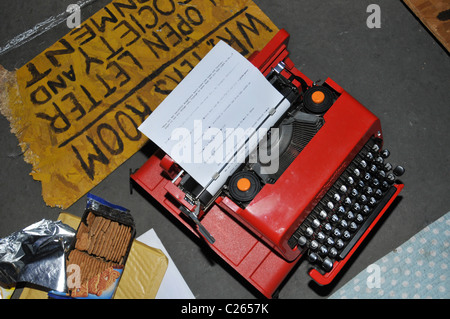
(81, 101)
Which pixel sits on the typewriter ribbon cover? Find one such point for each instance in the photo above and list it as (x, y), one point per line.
(76, 107)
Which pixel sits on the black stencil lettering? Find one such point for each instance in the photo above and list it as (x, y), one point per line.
(36, 76)
(140, 26)
(194, 16)
(52, 119)
(154, 75)
(252, 28)
(34, 96)
(195, 55)
(89, 60)
(144, 113)
(119, 6)
(233, 40)
(89, 31)
(183, 26)
(117, 145)
(153, 13)
(165, 12)
(54, 85)
(130, 29)
(89, 168)
(77, 106)
(131, 56)
(121, 117)
(121, 72)
(70, 75)
(51, 54)
(159, 45)
(109, 90)
(113, 52)
(94, 103)
(171, 35)
(160, 90)
(112, 19)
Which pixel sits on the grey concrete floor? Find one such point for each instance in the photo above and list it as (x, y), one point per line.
(399, 72)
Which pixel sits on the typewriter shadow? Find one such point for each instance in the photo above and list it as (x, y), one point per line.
(328, 290)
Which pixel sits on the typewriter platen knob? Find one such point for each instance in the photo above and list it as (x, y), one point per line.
(244, 186)
(318, 99)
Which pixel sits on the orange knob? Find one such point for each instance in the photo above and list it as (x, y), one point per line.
(244, 184)
(318, 97)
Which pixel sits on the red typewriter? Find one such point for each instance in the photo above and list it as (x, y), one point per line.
(332, 187)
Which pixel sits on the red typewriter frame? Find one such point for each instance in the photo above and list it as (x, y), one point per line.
(253, 241)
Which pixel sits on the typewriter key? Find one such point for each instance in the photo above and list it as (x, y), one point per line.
(360, 184)
(316, 223)
(363, 164)
(312, 257)
(359, 218)
(340, 244)
(323, 250)
(356, 207)
(366, 209)
(378, 193)
(350, 215)
(379, 160)
(334, 218)
(321, 237)
(373, 168)
(398, 171)
(302, 241)
(337, 233)
(346, 235)
(375, 182)
(363, 199)
(330, 241)
(327, 264)
(387, 167)
(333, 252)
(384, 185)
(385, 153)
(390, 178)
(347, 201)
(381, 174)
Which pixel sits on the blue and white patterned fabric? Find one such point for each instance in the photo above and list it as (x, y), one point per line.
(418, 269)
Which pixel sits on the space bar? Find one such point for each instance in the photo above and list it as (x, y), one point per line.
(368, 222)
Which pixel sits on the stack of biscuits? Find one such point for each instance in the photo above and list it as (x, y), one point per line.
(101, 245)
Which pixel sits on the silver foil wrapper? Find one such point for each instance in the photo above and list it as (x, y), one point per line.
(36, 255)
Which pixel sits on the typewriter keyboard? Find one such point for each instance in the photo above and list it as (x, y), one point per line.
(349, 207)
